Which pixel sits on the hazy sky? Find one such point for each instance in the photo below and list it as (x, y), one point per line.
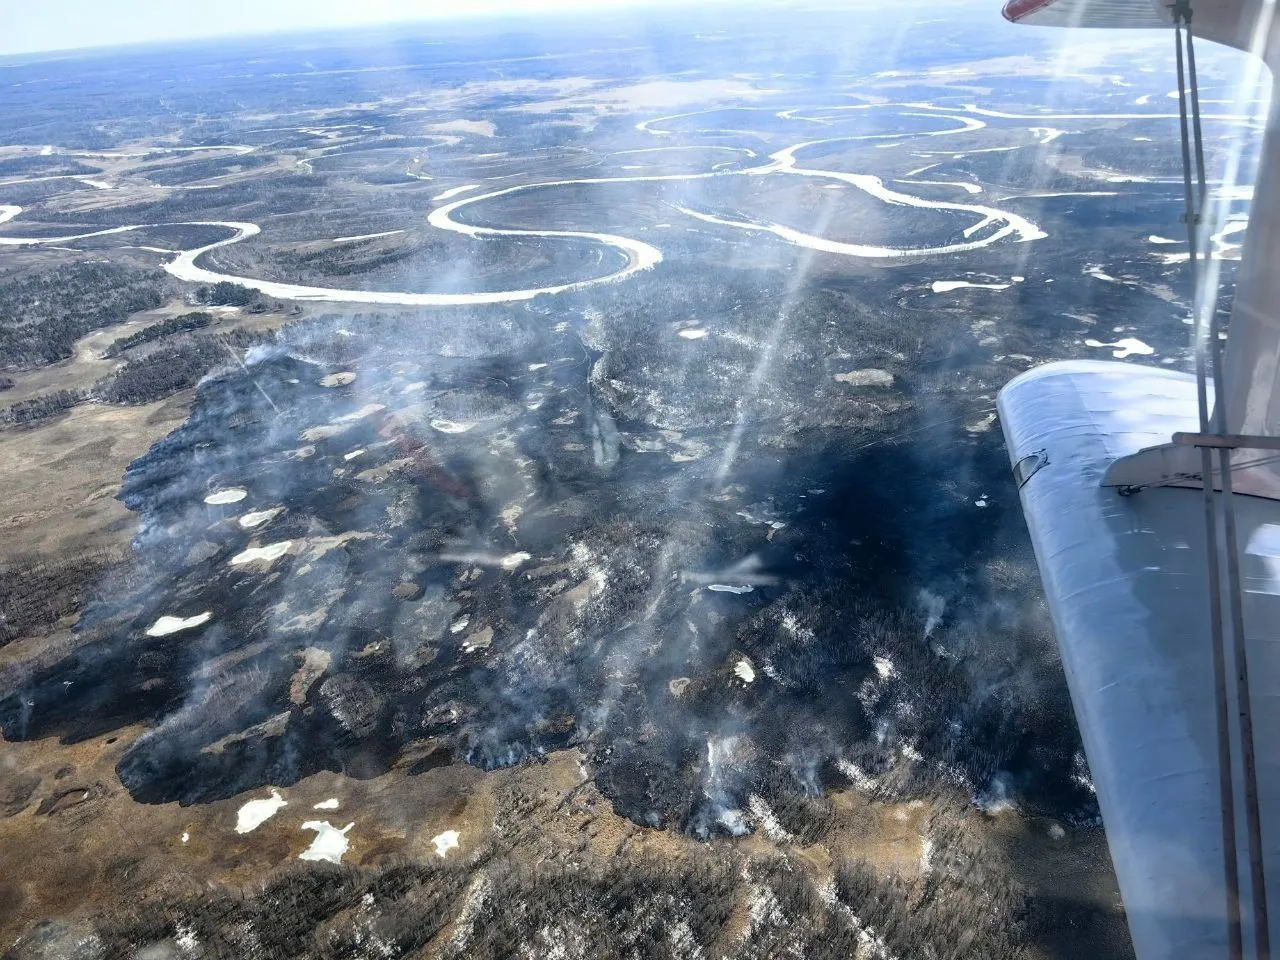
(31, 25)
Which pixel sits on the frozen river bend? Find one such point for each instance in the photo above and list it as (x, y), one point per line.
(990, 225)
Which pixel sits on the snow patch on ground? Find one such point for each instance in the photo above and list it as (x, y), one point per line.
(1096, 271)
(693, 334)
(330, 804)
(480, 639)
(946, 286)
(257, 812)
(230, 495)
(267, 554)
(730, 588)
(257, 518)
(1126, 347)
(330, 842)
(981, 425)
(444, 842)
(449, 426)
(167, 625)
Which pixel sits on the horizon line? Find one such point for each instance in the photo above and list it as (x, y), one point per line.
(493, 12)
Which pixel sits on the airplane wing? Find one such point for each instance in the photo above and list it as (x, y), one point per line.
(1127, 579)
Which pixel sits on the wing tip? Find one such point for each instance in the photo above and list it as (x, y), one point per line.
(1114, 14)
(1016, 10)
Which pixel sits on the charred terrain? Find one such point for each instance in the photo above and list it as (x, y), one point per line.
(537, 492)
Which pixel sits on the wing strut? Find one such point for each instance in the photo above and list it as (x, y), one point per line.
(1208, 353)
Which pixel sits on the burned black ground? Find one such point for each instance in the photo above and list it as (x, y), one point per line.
(859, 538)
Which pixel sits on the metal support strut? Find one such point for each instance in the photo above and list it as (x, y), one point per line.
(1213, 438)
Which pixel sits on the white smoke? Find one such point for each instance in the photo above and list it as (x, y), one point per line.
(933, 606)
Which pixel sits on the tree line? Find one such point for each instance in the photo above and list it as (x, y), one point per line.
(159, 374)
(224, 293)
(156, 331)
(42, 315)
(163, 372)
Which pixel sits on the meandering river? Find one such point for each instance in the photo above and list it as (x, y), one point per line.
(998, 225)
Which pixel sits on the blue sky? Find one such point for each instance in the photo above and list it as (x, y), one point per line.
(32, 25)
